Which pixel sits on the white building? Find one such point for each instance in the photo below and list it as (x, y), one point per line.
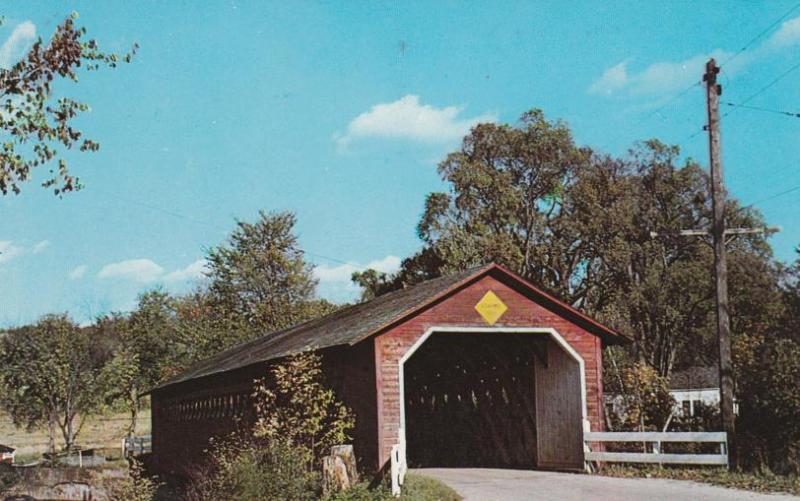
(688, 387)
(694, 385)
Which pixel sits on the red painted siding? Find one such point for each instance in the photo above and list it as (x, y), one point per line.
(459, 310)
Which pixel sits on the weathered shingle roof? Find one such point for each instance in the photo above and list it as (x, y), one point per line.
(695, 378)
(355, 323)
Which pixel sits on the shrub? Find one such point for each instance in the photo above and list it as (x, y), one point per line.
(136, 486)
(768, 371)
(646, 399)
(8, 477)
(246, 470)
(294, 405)
(298, 419)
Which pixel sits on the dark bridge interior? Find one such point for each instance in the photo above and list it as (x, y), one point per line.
(470, 400)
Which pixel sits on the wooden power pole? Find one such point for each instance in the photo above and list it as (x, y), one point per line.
(713, 91)
(718, 233)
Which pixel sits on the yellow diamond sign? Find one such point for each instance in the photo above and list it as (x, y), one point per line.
(491, 308)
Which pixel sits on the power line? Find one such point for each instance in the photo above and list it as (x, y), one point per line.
(771, 197)
(768, 110)
(763, 89)
(762, 33)
(658, 110)
(727, 61)
(750, 98)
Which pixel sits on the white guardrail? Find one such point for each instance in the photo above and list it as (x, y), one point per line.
(134, 446)
(656, 456)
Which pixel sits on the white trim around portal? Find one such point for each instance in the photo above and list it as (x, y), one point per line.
(480, 330)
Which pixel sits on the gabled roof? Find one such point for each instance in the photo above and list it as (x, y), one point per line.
(352, 324)
(695, 378)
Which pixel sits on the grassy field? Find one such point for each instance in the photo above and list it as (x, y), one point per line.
(97, 431)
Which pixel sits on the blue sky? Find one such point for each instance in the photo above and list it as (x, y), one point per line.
(340, 112)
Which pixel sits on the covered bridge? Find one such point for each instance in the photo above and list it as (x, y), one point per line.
(479, 368)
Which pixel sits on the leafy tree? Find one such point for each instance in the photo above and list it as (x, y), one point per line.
(507, 188)
(260, 275)
(21, 393)
(293, 405)
(34, 122)
(49, 374)
(424, 265)
(147, 346)
(579, 224)
(789, 324)
(767, 373)
(205, 328)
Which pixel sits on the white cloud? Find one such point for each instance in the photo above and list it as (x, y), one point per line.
(194, 271)
(612, 80)
(408, 119)
(658, 78)
(15, 45)
(145, 271)
(40, 247)
(137, 270)
(9, 251)
(341, 274)
(665, 77)
(78, 272)
(788, 34)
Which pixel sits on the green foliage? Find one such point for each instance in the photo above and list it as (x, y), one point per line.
(706, 418)
(578, 224)
(260, 275)
(422, 488)
(245, 470)
(8, 477)
(767, 375)
(34, 123)
(294, 406)
(789, 325)
(50, 374)
(415, 488)
(135, 486)
(204, 328)
(145, 350)
(424, 265)
(647, 402)
(363, 492)
(298, 420)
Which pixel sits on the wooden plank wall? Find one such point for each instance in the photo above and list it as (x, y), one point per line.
(558, 411)
(188, 415)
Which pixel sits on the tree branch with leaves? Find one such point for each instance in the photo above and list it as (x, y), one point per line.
(34, 123)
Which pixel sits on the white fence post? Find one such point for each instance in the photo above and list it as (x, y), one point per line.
(398, 464)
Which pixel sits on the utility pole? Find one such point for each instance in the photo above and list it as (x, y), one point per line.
(713, 91)
(718, 233)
